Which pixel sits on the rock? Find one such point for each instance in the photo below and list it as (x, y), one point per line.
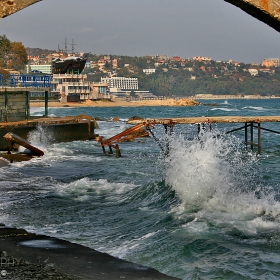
(135, 118)
(86, 117)
(116, 119)
(98, 119)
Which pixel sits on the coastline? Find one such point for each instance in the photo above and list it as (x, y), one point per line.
(120, 103)
(141, 103)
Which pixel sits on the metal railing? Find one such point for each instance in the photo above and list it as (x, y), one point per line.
(25, 80)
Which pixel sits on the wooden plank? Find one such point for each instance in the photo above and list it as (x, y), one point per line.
(22, 142)
(196, 120)
(10, 158)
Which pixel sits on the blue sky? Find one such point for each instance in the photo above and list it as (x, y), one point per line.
(185, 28)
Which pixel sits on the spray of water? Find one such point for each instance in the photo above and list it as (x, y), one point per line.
(42, 136)
(218, 182)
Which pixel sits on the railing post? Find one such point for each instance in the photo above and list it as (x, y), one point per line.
(246, 134)
(252, 136)
(46, 103)
(6, 106)
(26, 105)
(259, 137)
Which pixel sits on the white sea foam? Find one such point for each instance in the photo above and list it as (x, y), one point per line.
(37, 111)
(254, 108)
(225, 109)
(84, 188)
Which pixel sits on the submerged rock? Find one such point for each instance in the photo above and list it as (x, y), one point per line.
(134, 118)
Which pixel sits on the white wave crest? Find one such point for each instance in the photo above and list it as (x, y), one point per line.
(212, 178)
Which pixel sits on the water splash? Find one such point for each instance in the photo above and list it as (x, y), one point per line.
(217, 182)
(42, 136)
(197, 169)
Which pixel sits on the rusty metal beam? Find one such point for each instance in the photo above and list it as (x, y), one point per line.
(8, 7)
(118, 138)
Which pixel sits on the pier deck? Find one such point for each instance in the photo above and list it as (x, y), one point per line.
(250, 122)
(200, 120)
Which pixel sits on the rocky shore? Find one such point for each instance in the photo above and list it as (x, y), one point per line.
(120, 103)
(29, 256)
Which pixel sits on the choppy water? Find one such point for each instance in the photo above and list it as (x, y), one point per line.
(208, 210)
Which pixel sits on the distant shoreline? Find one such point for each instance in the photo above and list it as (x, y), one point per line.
(121, 103)
(193, 101)
(246, 97)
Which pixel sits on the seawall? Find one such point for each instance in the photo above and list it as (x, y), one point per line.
(57, 130)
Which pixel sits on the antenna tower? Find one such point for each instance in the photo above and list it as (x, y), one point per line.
(66, 46)
(73, 46)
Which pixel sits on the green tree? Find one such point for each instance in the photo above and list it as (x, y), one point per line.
(17, 57)
(12, 54)
(5, 47)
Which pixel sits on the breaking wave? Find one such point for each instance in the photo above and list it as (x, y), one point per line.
(219, 184)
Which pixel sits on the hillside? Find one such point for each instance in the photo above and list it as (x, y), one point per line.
(184, 77)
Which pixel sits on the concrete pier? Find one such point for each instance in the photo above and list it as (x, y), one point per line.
(64, 129)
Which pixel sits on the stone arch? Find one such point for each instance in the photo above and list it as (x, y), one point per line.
(267, 11)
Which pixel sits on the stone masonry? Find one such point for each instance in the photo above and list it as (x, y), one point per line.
(8, 7)
(267, 11)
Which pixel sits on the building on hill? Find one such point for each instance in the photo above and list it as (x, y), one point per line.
(115, 63)
(121, 86)
(270, 62)
(149, 71)
(40, 68)
(121, 82)
(253, 72)
(202, 58)
(176, 58)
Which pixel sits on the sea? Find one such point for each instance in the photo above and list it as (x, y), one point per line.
(191, 204)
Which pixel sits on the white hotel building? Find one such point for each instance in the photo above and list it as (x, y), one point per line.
(121, 86)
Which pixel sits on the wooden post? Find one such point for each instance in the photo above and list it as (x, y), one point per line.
(26, 105)
(46, 103)
(103, 149)
(110, 150)
(118, 152)
(166, 139)
(259, 137)
(246, 134)
(252, 136)
(6, 106)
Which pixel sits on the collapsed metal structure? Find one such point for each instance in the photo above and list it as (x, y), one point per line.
(168, 123)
